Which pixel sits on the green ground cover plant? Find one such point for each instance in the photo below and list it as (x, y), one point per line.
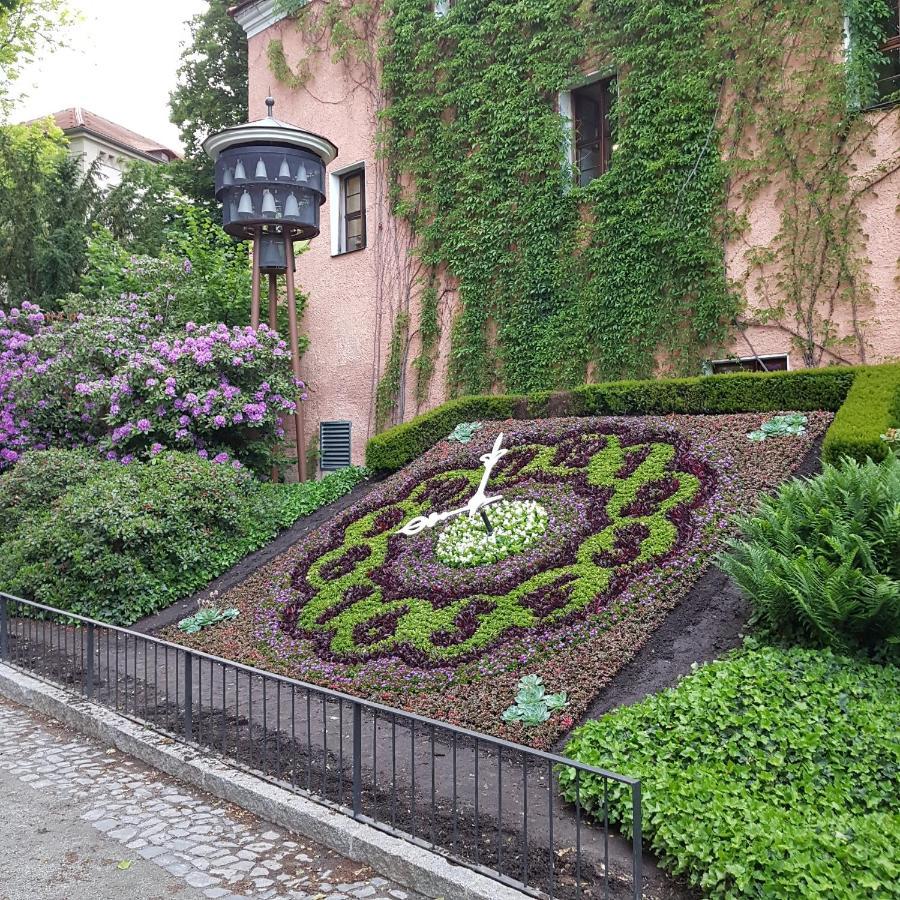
(820, 561)
(771, 773)
(117, 543)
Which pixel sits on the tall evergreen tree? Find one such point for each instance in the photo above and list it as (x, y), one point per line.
(211, 93)
(46, 206)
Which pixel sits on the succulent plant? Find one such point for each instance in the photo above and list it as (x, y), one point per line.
(464, 432)
(209, 615)
(533, 704)
(792, 425)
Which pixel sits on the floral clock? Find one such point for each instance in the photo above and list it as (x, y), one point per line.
(617, 499)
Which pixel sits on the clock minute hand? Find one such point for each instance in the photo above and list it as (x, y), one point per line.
(490, 460)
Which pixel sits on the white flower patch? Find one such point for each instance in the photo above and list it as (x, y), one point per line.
(517, 525)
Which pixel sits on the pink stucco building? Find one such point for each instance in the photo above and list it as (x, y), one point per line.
(356, 289)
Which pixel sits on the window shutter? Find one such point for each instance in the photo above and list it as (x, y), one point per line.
(334, 446)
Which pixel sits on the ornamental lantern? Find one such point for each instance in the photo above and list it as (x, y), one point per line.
(270, 180)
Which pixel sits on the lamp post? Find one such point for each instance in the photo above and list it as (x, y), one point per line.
(270, 180)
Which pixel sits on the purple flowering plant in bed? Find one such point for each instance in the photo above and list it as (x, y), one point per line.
(622, 498)
(121, 381)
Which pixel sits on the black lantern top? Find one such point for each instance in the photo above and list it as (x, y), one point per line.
(270, 176)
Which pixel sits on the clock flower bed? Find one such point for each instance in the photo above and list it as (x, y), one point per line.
(516, 525)
(611, 521)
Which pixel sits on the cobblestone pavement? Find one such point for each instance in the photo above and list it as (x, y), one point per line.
(117, 828)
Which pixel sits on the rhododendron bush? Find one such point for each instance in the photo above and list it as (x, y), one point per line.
(122, 382)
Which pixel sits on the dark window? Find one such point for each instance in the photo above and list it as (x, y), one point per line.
(751, 364)
(592, 105)
(334, 446)
(353, 211)
(889, 69)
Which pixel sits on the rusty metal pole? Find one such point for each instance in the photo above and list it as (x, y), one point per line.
(257, 277)
(273, 301)
(273, 324)
(294, 328)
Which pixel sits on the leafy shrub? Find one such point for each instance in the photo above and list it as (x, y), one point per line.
(201, 275)
(769, 774)
(820, 562)
(119, 542)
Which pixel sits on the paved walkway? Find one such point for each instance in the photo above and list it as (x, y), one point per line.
(79, 821)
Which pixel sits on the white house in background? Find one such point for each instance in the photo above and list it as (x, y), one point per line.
(91, 137)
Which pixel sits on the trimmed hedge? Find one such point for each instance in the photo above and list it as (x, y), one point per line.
(867, 398)
(871, 408)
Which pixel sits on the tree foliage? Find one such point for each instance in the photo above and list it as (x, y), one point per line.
(211, 93)
(142, 207)
(46, 204)
(26, 27)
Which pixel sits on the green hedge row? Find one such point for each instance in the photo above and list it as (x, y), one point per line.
(871, 408)
(867, 398)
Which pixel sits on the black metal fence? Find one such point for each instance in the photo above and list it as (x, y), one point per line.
(485, 803)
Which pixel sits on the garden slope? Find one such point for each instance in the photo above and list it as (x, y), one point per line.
(277, 628)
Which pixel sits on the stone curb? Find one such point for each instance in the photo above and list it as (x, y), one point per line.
(411, 866)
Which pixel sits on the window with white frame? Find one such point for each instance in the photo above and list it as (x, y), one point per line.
(590, 141)
(778, 362)
(349, 223)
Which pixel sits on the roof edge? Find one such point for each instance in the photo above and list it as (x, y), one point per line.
(255, 16)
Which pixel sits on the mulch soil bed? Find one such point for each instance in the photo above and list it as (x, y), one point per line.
(638, 508)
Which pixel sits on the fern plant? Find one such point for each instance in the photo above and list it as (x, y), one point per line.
(820, 561)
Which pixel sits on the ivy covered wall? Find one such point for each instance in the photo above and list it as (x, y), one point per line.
(734, 207)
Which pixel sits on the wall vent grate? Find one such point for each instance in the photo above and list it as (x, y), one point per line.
(334, 446)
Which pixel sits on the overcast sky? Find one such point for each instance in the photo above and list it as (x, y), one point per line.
(122, 63)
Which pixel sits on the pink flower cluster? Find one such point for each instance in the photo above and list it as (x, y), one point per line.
(123, 383)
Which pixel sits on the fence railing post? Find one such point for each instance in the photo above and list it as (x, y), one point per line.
(89, 673)
(357, 759)
(188, 698)
(4, 647)
(637, 841)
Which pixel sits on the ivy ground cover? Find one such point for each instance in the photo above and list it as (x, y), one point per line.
(636, 509)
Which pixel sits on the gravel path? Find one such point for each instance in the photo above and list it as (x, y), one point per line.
(79, 821)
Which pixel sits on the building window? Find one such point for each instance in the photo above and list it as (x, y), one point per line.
(352, 211)
(334, 446)
(777, 363)
(442, 7)
(591, 108)
(889, 69)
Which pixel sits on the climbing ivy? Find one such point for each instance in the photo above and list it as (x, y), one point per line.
(627, 275)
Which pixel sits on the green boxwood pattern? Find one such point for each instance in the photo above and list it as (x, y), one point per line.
(624, 500)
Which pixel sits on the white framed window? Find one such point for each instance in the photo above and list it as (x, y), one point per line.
(348, 209)
(774, 362)
(587, 110)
